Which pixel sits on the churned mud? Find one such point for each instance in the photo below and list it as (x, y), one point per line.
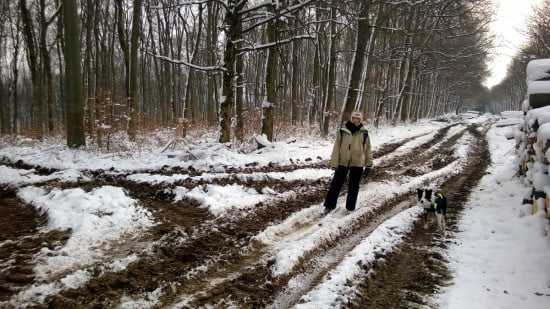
(198, 260)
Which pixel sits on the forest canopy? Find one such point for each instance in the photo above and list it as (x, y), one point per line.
(240, 67)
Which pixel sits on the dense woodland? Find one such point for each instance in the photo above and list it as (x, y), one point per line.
(511, 91)
(90, 68)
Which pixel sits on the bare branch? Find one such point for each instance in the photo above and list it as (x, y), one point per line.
(216, 68)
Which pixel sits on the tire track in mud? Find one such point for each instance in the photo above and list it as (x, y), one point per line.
(183, 219)
(253, 276)
(353, 234)
(20, 241)
(217, 242)
(178, 267)
(424, 157)
(259, 274)
(413, 273)
(349, 238)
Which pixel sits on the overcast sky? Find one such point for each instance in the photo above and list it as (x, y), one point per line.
(509, 26)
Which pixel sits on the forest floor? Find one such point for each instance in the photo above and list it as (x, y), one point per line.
(222, 264)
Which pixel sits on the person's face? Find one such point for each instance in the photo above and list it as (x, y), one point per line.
(355, 120)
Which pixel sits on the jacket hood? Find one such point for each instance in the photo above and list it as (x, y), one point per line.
(350, 128)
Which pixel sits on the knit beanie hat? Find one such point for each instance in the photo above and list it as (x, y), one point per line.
(357, 114)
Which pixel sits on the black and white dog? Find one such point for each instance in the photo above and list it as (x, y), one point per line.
(433, 203)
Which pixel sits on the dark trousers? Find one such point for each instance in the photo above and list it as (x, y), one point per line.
(338, 180)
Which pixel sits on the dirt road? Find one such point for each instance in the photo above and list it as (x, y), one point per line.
(193, 259)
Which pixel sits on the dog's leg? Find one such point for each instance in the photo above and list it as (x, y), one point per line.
(426, 220)
(440, 221)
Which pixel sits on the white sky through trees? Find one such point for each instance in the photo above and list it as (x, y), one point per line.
(509, 26)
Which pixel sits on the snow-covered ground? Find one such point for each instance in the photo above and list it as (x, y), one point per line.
(500, 259)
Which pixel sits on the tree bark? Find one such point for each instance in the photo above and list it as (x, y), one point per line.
(130, 61)
(211, 35)
(190, 105)
(354, 82)
(239, 100)
(295, 98)
(268, 106)
(4, 115)
(234, 26)
(88, 66)
(15, 87)
(36, 105)
(73, 78)
(133, 70)
(331, 79)
(47, 80)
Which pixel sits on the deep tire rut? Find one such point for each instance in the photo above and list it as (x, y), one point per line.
(214, 261)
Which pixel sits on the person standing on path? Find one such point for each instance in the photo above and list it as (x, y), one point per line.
(350, 154)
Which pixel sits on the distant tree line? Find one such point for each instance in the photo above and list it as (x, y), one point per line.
(510, 92)
(160, 63)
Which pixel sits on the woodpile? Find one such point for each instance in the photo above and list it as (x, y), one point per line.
(533, 136)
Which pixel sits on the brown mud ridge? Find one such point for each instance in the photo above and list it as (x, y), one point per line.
(198, 260)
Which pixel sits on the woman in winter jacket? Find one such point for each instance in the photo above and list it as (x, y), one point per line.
(350, 154)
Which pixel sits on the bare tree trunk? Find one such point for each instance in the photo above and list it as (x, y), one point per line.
(268, 106)
(162, 70)
(228, 86)
(331, 79)
(316, 81)
(234, 26)
(6, 31)
(36, 102)
(4, 114)
(14, 88)
(405, 89)
(73, 80)
(130, 61)
(297, 84)
(133, 70)
(239, 103)
(379, 18)
(211, 35)
(88, 73)
(406, 67)
(121, 30)
(354, 82)
(191, 76)
(47, 80)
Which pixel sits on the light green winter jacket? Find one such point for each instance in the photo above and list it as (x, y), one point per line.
(351, 149)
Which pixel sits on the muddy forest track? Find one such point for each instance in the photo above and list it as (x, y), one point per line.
(20, 241)
(199, 260)
(418, 269)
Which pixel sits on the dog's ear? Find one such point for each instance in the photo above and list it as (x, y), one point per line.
(419, 193)
(428, 194)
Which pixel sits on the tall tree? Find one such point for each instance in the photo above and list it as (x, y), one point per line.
(133, 70)
(331, 78)
(211, 36)
(268, 106)
(190, 106)
(4, 113)
(34, 64)
(15, 24)
(46, 74)
(233, 25)
(363, 36)
(239, 99)
(73, 78)
(131, 61)
(413, 65)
